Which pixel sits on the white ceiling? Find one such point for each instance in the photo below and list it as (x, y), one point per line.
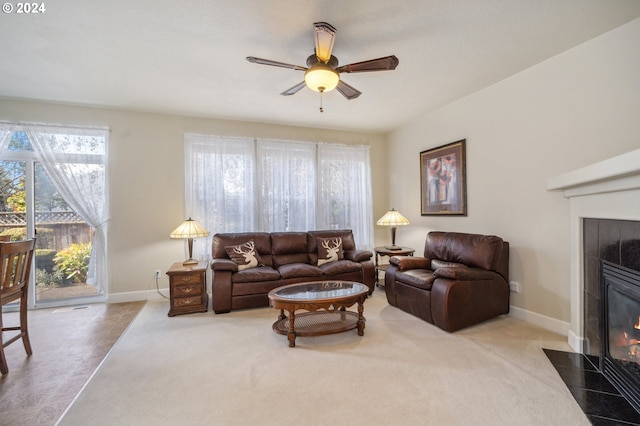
(188, 57)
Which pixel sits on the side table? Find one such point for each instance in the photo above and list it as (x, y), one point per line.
(187, 288)
(383, 251)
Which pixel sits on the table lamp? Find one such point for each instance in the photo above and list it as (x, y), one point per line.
(189, 229)
(393, 218)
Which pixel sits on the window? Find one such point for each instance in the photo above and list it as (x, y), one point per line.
(246, 184)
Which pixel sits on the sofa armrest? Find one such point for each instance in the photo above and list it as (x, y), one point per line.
(224, 265)
(358, 255)
(405, 263)
(462, 273)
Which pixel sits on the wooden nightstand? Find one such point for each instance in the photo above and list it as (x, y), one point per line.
(188, 288)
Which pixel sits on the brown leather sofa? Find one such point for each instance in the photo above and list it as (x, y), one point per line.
(463, 279)
(285, 258)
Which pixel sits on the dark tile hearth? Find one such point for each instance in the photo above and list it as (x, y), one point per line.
(598, 398)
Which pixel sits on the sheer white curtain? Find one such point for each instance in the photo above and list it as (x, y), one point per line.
(75, 159)
(344, 191)
(220, 181)
(6, 130)
(241, 185)
(286, 185)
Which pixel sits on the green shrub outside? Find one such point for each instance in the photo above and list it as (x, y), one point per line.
(73, 262)
(55, 278)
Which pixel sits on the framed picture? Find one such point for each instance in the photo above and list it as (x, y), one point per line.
(443, 180)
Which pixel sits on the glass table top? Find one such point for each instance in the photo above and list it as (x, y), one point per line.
(320, 290)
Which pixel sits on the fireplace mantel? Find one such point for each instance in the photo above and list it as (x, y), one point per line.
(619, 173)
(609, 189)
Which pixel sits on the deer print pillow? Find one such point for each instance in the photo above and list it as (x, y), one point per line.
(329, 250)
(244, 255)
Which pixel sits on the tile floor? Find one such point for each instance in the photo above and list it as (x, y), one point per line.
(598, 398)
(68, 345)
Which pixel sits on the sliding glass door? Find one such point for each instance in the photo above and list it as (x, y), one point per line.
(31, 206)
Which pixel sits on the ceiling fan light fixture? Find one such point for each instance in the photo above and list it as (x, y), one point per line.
(321, 78)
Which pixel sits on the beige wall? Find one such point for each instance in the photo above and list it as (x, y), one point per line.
(570, 111)
(146, 179)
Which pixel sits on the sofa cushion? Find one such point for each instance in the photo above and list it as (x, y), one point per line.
(329, 250)
(348, 242)
(297, 270)
(260, 273)
(340, 267)
(289, 247)
(245, 255)
(421, 278)
(222, 240)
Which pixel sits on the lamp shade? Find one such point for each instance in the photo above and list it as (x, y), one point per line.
(393, 218)
(189, 229)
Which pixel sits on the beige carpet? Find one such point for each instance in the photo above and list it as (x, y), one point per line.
(232, 369)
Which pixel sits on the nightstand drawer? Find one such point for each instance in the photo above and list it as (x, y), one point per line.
(187, 290)
(181, 302)
(186, 279)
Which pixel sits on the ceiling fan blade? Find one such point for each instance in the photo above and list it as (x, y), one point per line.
(261, 61)
(387, 63)
(295, 89)
(347, 91)
(325, 37)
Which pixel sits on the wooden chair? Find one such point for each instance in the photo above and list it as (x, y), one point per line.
(15, 268)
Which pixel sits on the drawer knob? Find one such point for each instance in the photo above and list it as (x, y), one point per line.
(186, 279)
(187, 290)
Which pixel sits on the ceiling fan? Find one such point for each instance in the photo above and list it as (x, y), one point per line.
(322, 71)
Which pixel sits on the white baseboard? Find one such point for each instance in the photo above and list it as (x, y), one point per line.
(135, 296)
(551, 324)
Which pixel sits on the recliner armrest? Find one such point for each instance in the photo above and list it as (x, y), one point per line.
(467, 274)
(224, 265)
(405, 263)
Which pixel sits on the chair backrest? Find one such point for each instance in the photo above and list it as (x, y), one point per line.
(15, 268)
(5, 238)
(481, 251)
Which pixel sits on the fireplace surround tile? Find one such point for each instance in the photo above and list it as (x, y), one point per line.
(617, 241)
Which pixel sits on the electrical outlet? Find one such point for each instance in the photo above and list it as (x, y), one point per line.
(514, 286)
(158, 272)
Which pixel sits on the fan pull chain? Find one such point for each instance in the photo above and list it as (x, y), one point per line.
(321, 109)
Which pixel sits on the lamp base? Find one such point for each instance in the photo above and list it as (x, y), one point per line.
(190, 262)
(393, 247)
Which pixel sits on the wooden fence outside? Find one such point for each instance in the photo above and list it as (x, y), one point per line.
(66, 228)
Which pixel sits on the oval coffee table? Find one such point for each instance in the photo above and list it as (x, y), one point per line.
(326, 303)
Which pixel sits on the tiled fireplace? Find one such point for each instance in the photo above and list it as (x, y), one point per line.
(605, 242)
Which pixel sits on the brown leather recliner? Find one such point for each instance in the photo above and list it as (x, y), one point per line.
(463, 279)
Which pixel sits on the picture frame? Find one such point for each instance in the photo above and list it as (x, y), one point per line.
(443, 180)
